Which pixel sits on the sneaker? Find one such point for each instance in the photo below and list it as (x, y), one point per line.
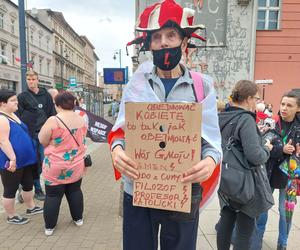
(78, 222)
(17, 220)
(49, 231)
(39, 195)
(35, 210)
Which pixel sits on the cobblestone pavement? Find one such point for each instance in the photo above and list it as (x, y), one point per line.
(102, 229)
(102, 226)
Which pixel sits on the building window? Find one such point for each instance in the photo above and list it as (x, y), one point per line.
(13, 56)
(48, 67)
(47, 45)
(12, 26)
(40, 41)
(40, 65)
(268, 15)
(61, 48)
(1, 21)
(3, 49)
(31, 36)
(31, 62)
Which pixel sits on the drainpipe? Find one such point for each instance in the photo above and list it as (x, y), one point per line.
(253, 40)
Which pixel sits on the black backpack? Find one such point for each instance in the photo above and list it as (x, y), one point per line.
(237, 177)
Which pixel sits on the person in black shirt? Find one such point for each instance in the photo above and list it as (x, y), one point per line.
(34, 108)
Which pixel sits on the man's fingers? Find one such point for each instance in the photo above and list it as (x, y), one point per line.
(198, 176)
(192, 170)
(130, 162)
(126, 167)
(197, 173)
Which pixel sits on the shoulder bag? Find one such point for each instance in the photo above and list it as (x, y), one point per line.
(87, 159)
(237, 180)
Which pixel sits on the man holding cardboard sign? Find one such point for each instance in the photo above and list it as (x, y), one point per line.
(166, 28)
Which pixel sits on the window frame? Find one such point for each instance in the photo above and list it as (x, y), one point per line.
(13, 25)
(267, 10)
(3, 51)
(41, 59)
(13, 55)
(2, 20)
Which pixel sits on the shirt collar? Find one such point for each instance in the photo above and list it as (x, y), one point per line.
(185, 78)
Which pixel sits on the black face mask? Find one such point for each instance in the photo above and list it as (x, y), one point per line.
(167, 59)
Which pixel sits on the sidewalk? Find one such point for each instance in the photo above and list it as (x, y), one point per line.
(102, 229)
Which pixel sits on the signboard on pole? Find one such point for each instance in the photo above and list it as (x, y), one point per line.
(164, 139)
(114, 75)
(72, 82)
(265, 81)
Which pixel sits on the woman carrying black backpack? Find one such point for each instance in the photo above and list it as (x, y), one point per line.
(244, 189)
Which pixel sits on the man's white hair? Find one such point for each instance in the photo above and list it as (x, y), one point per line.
(260, 107)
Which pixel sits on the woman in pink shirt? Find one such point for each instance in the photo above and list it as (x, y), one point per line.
(63, 165)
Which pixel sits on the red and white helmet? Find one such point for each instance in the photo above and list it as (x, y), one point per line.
(163, 14)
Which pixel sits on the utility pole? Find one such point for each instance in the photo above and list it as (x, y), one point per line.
(22, 34)
(119, 53)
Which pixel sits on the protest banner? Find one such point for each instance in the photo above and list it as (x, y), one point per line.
(98, 128)
(164, 139)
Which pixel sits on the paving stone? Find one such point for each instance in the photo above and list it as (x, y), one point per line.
(102, 229)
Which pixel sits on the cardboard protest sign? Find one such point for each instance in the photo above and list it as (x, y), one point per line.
(164, 139)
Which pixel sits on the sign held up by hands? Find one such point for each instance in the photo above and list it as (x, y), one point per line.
(164, 139)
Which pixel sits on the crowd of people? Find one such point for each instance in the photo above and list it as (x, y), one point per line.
(264, 142)
(41, 133)
(277, 142)
(53, 143)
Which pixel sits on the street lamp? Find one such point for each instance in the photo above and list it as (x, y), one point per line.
(119, 53)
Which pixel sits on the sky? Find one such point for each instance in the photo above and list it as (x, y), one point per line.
(108, 24)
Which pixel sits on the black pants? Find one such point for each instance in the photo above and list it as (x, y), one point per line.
(54, 195)
(244, 229)
(178, 230)
(12, 180)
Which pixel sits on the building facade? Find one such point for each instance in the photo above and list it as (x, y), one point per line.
(278, 47)
(39, 48)
(68, 51)
(228, 55)
(110, 91)
(256, 40)
(9, 46)
(74, 60)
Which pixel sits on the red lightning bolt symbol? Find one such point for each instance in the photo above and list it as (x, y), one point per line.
(167, 59)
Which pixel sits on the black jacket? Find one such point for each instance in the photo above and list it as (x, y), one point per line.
(250, 141)
(35, 109)
(246, 133)
(278, 179)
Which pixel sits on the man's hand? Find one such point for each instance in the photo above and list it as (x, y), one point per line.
(200, 172)
(12, 166)
(124, 164)
(288, 148)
